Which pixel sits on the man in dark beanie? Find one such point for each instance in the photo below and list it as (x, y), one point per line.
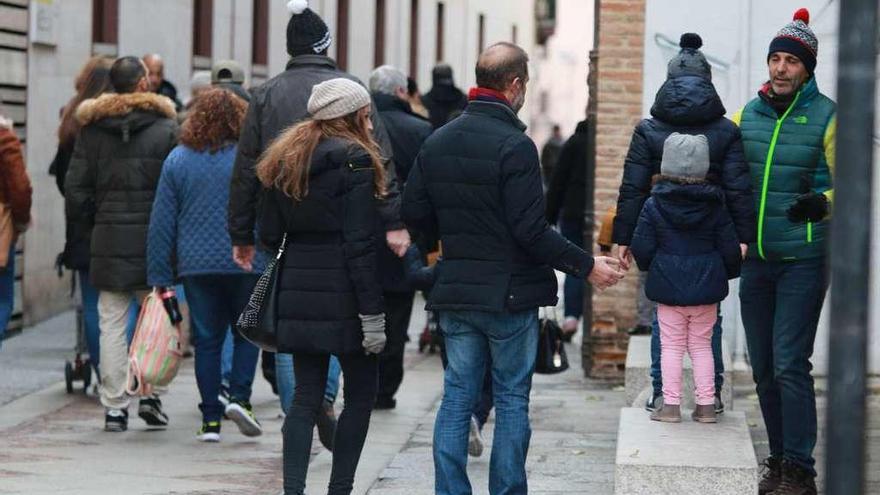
(276, 105)
(444, 102)
(788, 135)
(687, 103)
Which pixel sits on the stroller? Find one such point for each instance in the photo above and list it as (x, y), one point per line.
(80, 369)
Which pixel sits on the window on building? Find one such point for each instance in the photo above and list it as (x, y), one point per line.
(203, 26)
(414, 39)
(514, 34)
(379, 46)
(481, 34)
(342, 34)
(105, 25)
(441, 30)
(260, 35)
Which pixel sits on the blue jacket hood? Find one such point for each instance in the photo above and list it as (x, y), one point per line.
(687, 101)
(686, 205)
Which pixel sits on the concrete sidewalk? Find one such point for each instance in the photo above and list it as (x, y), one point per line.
(52, 442)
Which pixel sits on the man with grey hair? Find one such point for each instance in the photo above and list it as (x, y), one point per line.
(407, 131)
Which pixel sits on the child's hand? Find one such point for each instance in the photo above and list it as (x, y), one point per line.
(606, 272)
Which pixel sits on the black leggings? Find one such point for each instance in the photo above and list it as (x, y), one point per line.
(361, 378)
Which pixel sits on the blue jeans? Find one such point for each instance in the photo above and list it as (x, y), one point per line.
(781, 303)
(656, 374)
(7, 292)
(215, 302)
(226, 356)
(574, 287)
(511, 339)
(286, 381)
(89, 296)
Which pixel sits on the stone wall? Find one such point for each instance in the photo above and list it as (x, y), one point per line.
(620, 59)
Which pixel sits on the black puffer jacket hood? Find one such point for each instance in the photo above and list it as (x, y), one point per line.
(687, 100)
(111, 182)
(686, 205)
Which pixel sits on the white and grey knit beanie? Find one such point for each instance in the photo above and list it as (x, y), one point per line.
(337, 98)
(685, 156)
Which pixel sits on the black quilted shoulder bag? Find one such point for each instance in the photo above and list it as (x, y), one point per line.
(258, 322)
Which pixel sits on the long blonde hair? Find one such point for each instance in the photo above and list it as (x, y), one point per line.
(285, 164)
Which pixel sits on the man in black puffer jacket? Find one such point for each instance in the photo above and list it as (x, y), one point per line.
(276, 105)
(687, 103)
(110, 186)
(477, 184)
(407, 132)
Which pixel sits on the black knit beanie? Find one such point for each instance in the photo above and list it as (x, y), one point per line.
(306, 31)
(797, 39)
(690, 60)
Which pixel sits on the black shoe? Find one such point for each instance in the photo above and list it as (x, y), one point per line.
(210, 432)
(796, 480)
(719, 406)
(115, 420)
(384, 403)
(640, 330)
(242, 414)
(654, 403)
(326, 423)
(772, 475)
(150, 410)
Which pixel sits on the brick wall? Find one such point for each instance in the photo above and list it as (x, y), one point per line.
(621, 55)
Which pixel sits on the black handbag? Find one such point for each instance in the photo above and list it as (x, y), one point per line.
(258, 323)
(551, 357)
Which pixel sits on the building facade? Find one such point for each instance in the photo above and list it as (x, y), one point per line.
(44, 43)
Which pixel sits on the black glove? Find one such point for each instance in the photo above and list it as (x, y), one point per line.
(169, 301)
(809, 207)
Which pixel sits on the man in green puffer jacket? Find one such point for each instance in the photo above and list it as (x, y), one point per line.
(788, 134)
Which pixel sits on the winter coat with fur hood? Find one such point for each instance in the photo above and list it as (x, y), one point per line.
(112, 180)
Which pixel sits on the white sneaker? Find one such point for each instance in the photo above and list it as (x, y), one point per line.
(244, 418)
(210, 432)
(475, 439)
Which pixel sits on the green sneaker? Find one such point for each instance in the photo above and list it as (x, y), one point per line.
(210, 432)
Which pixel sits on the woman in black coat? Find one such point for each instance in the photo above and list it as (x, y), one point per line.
(92, 81)
(324, 178)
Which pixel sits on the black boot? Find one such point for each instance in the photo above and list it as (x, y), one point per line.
(772, 475)
(796, 480)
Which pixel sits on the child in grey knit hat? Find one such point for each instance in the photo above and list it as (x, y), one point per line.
(686, 241)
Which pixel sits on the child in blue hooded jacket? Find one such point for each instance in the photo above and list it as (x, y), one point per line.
(685, 239)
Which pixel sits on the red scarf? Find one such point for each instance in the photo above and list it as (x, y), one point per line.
(476, 93)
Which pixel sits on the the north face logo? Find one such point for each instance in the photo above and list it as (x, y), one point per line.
(801, 119)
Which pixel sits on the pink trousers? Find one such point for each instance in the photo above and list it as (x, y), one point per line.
(687, 329)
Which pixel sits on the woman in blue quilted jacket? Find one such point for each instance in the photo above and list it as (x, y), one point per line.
(188, 241)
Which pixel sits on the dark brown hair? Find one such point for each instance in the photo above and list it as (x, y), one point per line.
(93, 80)
(285, 164)
(214, 121)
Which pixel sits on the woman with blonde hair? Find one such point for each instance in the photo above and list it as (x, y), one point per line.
(323, 180)
(188, 239)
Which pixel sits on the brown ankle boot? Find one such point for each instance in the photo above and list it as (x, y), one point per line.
(771, 475)
(796, 480)
(667, 414)
(704, 414)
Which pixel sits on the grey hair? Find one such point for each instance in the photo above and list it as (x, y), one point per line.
(387, 79)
